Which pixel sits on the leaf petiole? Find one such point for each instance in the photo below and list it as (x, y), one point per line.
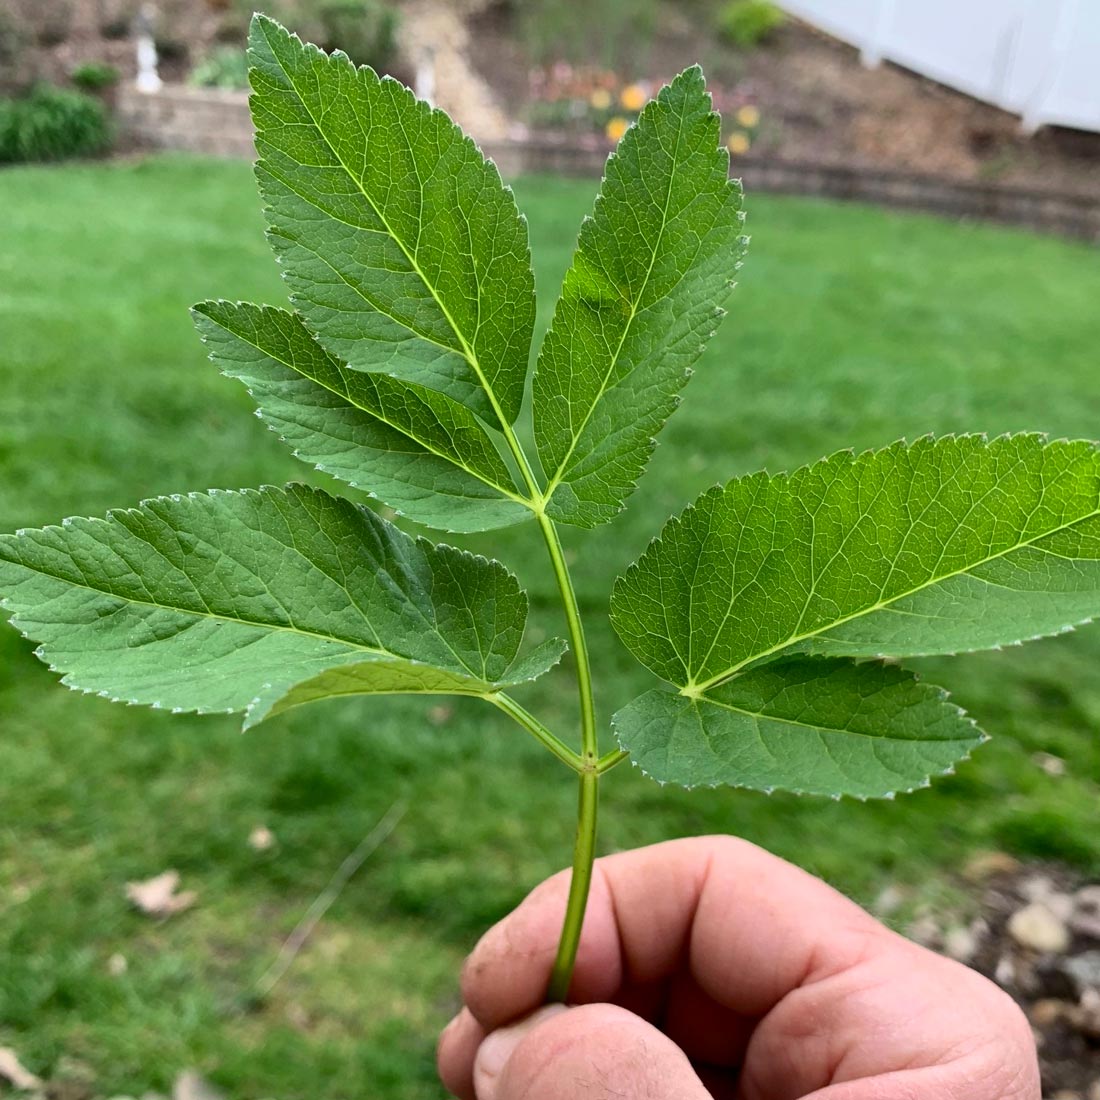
(534, 727)
(610, 760)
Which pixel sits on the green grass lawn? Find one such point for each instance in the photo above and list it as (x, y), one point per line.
(851, 327)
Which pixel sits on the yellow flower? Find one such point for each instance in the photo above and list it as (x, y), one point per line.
(748, 116)
(634, 97)
(616, 128)
(738, 143)
(600, 99)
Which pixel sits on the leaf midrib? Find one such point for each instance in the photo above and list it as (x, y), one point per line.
(696, 689)
(819, 728)
(559, 474)
(467, 350)
(346, 395)
(217, 616)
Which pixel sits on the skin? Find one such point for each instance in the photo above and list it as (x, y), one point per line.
(711, 970)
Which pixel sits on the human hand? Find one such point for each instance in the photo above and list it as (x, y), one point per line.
(707, 969)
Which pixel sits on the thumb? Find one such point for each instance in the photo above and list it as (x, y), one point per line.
(595, 1052)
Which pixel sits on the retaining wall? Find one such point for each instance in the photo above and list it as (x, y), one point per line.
(212, 121)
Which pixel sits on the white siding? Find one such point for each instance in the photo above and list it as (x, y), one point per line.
(1037, 58)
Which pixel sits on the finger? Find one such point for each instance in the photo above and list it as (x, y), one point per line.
(750, 926)
(899, 1022)
(966, 1080)
(595, 1052)
(454, 1057)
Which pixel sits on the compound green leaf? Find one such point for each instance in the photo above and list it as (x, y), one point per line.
(403, 250)
(940, 546)
(417, 450)
(382, 677)
(807, 725)
(653, 265)
(218, 601)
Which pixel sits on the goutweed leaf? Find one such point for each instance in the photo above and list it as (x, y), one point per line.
(940, 546)
(811, 725)
(653, 265)
(399, 677)
(403, 250)
(225, 601)
(416, 449)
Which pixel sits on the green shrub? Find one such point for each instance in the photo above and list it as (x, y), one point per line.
(51, 124)
(93, 76)
(748, 23)
(222, 67)
(562, 30)
(366, 30)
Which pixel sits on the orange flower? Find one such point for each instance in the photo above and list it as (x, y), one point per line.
(600, 99)
(616, 128)
(748, 116)
(738, 143)
(634, 97)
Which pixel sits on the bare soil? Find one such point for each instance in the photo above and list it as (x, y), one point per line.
(819, 104)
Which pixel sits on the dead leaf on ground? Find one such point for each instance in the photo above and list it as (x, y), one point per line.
(191, 1085)
(14, 1072)
(157, 896)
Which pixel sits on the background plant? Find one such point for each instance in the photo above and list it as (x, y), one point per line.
(593, 441)
(611, 34)
(94, 76)
(749, 23)
(366, 30)
(51, 124)
(223, 67)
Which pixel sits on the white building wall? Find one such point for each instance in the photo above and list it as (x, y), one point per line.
(1037, 58)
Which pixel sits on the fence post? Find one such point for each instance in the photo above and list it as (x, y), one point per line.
(1065, 18)
(872, 52)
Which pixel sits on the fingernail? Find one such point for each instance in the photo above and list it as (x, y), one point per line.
(494, 1052)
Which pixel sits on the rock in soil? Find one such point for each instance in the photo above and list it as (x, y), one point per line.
(1038, 928)
(1034, 937)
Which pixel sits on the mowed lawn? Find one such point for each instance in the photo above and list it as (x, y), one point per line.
(851, 327)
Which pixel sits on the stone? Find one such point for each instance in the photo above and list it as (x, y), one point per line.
(889, 901)
(1083, 971)
(925, 931)
(1039, 888)
(1086, 912)
(1036, 928)
(960, 944)
(1087, 1016)
(1005, 973)
(986, 865)
(1048, 1011)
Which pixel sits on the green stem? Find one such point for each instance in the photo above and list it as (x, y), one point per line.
(589, 740)
(584, 854)
(584, 851)
(533, 726)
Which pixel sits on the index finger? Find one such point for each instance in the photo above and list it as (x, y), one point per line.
(749, 926)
